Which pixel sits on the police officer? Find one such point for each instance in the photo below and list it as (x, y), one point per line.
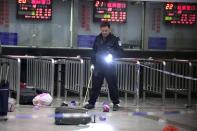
(106, 47)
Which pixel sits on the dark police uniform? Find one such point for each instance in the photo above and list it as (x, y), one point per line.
(102, 69)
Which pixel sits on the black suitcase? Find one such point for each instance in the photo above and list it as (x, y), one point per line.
(27, 95)
(4, 92)
(71, 116)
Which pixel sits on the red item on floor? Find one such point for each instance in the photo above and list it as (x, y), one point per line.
(170, 128)
(106, 108)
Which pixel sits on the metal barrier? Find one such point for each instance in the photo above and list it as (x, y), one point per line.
(153, 80)
(128, 77)
(14, 74)
(4, 69)
(40, 73)
(86, 76)
(194, 74)
(176, 84)
(87, 64)
(58, 72)
(74, 76)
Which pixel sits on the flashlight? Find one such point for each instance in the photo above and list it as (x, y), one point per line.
(109, 58)
(92, 67)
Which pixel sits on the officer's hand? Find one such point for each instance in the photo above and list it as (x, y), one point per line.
(109, 50)
(92, 67)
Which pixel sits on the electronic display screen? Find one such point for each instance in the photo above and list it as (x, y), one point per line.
(110, 10)
(34, 9)
(180, 13)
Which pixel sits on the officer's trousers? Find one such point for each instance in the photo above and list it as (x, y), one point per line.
(97, 80)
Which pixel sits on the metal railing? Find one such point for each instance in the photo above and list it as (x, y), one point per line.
(170, 75)
(177, 83)
(14, 74)
(158, 76)
(194, 74)
(128, 77)
(40, 73)
(87, 64)
(74, 76)
(153, 80)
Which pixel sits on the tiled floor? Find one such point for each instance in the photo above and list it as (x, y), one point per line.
(31, 119)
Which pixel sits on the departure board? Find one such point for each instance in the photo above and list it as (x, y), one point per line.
(180, 13)
(110, 10)
(34, 9)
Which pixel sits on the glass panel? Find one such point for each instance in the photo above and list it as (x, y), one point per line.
(36, 32)
(162, 35)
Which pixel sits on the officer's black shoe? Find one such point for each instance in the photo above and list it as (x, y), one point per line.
(115, 107)
(89, 106)
(3, 118)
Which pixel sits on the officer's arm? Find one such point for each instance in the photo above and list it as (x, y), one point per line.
(94, 51)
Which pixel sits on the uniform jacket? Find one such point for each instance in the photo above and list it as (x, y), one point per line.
(102, 48)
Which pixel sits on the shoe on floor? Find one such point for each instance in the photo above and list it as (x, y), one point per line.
(89, 106)
(3, 118)
(115, 107)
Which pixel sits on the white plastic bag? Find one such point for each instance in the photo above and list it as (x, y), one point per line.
(11, 104)
(43, 99)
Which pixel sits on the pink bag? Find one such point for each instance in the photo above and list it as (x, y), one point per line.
(43, 99)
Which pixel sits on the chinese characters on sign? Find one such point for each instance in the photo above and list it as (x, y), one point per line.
(180, 13)
(112, 11)
(34, 9)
